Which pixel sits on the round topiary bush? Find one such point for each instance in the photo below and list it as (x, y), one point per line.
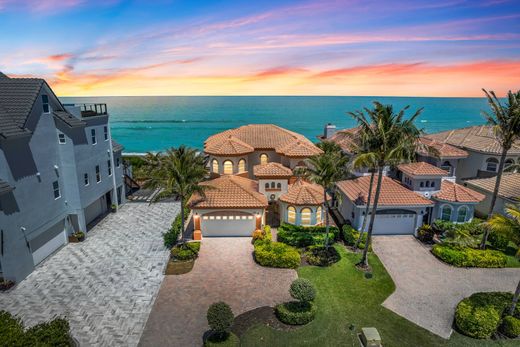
(296, 312)
(475, 320)
(220, 318)
(302, 290)
(510, 326)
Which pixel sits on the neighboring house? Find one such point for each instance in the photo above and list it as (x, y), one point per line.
(441, 155)
(483, 150)
(59, 171)
(508, 193)
(253, 166)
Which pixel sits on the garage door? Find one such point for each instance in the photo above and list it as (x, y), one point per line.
(48, 242)
(394, 224)
(224, 224)
(94, 210)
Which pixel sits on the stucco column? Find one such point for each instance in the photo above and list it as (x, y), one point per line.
(258, 221)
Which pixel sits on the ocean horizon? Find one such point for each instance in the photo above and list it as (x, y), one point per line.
(155, 123)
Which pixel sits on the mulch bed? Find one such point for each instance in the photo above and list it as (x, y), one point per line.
(261, 315)
(179, 267)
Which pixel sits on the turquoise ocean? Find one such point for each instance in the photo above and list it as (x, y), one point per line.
(149, 123)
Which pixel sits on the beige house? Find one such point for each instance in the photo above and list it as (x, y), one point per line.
(508, 193)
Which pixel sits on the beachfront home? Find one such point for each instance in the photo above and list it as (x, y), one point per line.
(59, 171)
(252, 167)
(508, 193)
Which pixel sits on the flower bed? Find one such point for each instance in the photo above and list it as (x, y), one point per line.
(321, 255)
(276, 254)
(469, 257)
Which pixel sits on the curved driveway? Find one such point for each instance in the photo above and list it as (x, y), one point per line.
(224, 271)
(427, 290)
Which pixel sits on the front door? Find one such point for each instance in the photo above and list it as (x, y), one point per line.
(273, 214)
(108, 199)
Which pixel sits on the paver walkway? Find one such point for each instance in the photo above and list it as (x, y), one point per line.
(224, 271)
(105, 285)
(427, 290)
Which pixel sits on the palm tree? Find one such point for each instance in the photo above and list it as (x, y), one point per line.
(505, 120)
(178, 173)
(326, 169)
(510, 226)
(388, 140)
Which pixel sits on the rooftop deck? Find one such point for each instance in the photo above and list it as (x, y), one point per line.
(91, 110)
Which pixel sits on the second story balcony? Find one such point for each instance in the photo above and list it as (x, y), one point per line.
(92, 110)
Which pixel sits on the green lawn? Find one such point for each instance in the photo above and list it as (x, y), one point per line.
(345, 297)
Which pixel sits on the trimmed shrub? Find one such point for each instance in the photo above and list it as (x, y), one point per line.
(231, 341)
(441, 226)
(186, 251)
(295, 312)
(322, 256)
(351, 235)
(309, 229)
(476, 321)
(264, 234)
(510, 326)
(276, 254)
(498, 240)
(302, 290)
(425, 233)
(469, 257)
(299, 236)
(171, 237)
(220, 318)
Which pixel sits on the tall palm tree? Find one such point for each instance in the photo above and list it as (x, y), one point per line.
(505, 120)
(326, 169)
(389, 139)
(178, 173)
(510, 226)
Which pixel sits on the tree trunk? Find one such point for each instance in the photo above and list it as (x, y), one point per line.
(372, 175)
(515, 300)
(182, 217)
(495, 194)
(326, 218)
(364, 258)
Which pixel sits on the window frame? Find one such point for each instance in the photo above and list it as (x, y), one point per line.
(443, 207)
(215, 165)
(291, 214)
(60, 136)
(225, 165)
(109, 167)
(466, 211)
(93, 136)
(242, 165)
(105, 132)
(86, 179)
(56, 188)
(98, 174)
(262, 161)
(319, 215)
(46, 106)
(308, 211)
(492, 161)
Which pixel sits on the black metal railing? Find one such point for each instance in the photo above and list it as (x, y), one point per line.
(91, 110)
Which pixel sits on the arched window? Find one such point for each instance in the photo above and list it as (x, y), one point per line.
(267, 186)
(508, 163)
(427, 184)
(214, 165)
(279, 185)
(291, 215)
(491, 164)
(446, 166)
(422, 184)
(433, 184)
(446, 213)
(264, 159)
(228, 167)
(318, 215)
(306, 216)
(462, 214)
(241, 165)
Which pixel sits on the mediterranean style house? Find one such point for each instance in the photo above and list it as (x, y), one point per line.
(508, 193)
(252, 170)
(59, 171)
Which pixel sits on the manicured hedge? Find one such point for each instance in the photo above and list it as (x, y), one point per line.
(351, 235)
(53, 333)
(469, 257)
(301, 237)
(510, 326)
(171, 237)
(296, 312)
(479, 315)
(186, 251)
(276, 254)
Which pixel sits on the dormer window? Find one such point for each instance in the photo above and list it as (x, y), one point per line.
(45, 104)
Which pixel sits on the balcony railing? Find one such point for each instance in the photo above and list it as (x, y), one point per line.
(92, 110)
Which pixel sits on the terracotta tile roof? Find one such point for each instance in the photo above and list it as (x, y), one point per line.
(509, 185)
(230, 191)
(444, 150)
(229, 145)
(345, 138)
(258, 137)
(302, 192)
(272, 169)
(421, 168)
(478, 138)
(453, 192)
(392, 192)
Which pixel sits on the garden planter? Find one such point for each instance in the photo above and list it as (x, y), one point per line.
(76, 239)
(6, 285)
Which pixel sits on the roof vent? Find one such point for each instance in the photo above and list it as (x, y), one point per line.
(330, 129)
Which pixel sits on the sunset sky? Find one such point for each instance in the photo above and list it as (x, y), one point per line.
(395, 48)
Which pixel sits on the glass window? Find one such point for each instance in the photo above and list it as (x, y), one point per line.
(241, 165)
(93, 136)
(422, 184)
(61, 138)
(56, 188)
(228, 167)
(446, 166)
(214, 166)
(273, 185)
(98, 174)
(446, 213)
(279, 185)
(492, 164)
(109, 163)
(264, 159)
(306, 216)
(433, 184)
(267, 186)
(85, 179)
(118, 162)
(462, 214)
(105, 133)
(508, 163)
(45, 103)
(318, 215)
(291, 215)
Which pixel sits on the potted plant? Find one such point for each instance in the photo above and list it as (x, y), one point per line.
(5, 284)
(114, 208)
(77, 236)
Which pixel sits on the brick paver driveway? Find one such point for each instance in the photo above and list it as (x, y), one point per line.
(224, 271)
(106, 285)
(427, 290)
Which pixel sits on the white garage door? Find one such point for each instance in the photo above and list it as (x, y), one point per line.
(394, 224)
(48, 242)
(227, 225)
(94, 210)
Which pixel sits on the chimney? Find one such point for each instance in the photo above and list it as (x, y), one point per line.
(330, 129)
